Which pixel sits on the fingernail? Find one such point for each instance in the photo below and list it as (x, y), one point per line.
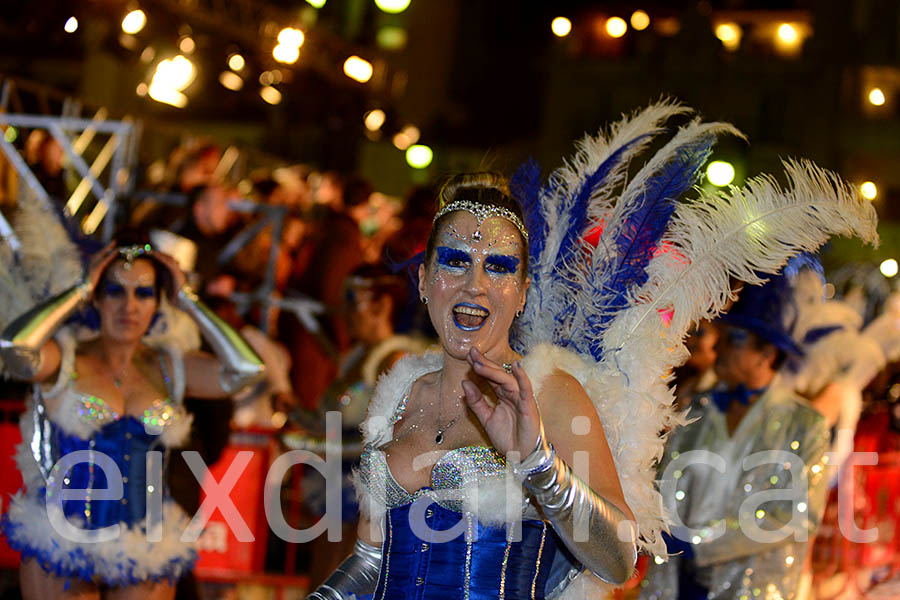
(518, 364)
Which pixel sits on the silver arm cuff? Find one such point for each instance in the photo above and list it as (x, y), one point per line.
(597, 532)
(22, 340)
(357, 575)
(240, 364)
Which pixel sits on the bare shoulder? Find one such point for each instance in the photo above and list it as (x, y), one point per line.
(561, 399)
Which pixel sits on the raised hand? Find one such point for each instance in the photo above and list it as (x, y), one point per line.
(513, 422)
(99, 262)
(178, 277)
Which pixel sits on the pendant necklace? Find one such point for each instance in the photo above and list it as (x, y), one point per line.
(439, 438)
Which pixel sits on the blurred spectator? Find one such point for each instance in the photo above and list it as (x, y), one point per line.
(416, 217)
(698, 373)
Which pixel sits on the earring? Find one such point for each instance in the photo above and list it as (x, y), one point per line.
(424, 299)
(518, 313)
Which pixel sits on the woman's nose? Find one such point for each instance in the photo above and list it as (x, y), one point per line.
(475, 278)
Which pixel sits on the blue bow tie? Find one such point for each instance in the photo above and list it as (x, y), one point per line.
(741, 394)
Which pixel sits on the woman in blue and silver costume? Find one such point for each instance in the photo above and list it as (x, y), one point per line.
(518, 462)
(463, 411)
(105, 413)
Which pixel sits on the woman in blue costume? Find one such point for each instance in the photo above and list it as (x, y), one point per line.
(518, 462)
(103, 416)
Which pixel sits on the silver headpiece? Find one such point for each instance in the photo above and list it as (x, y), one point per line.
(482, 212)
(132, 253)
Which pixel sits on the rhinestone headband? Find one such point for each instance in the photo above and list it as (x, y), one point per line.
(482, 212)
(132, 253)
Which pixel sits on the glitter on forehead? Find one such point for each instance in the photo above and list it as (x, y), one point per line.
(482, 212)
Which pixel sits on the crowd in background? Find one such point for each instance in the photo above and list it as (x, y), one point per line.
(342, 255)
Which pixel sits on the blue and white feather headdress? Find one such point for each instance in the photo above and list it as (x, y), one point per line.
(663, 261)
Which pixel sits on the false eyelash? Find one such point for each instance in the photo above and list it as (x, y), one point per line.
(445, 255)
(507, 262)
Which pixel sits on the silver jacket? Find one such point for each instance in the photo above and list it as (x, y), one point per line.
(750, 516)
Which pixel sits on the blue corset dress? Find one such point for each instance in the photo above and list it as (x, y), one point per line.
(482, 562)
(106, 442)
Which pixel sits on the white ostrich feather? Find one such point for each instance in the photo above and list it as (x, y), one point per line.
(557, 203)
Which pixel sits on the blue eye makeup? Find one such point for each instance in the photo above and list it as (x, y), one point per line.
(113, 290)
(451, 258)
(145, 292)
(501, 263)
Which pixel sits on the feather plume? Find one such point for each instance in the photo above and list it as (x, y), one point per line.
(742, 234)
(576, 196)
(637, 223)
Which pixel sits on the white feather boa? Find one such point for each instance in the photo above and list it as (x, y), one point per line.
(632, 423)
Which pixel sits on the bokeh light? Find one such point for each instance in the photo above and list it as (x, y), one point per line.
(419, 156)
(134, 21)
(730, 35)
(787, 34)
(889, 268)
(286, 54)
(374, 119)
(616, 27)
(71, 25)
(358, 69)
(270, 94)
(868, 190)
(720, 173)
(392, 6)
(640, 20)
(561, 26)
(316, 3)
(289, 36)
(876, 97)
(187, 45)
(231, 80)
(236, 62)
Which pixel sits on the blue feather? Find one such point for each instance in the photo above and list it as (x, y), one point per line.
(643, 225)
(525, 187)
(578, 217)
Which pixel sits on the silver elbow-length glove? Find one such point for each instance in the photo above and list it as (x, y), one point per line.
(22, 340)
(357, 575)
(241, 366)
(597, 532)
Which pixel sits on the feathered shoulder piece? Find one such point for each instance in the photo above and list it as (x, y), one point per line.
(626, 253)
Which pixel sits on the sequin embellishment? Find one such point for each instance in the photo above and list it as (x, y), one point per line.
(92, 410)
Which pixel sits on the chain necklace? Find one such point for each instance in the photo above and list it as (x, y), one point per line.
(439, 437)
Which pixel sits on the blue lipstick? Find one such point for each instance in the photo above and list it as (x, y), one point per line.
(470, 305)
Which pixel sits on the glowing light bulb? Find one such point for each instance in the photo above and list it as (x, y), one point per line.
(868, 190)
(889, 268)
(419, 156)
(134, 21)
(561, 26)
(71, 25)
(358, 69)
(616, 27)
(876, 97)
(640, 20)
(374, 119)
(720, 173)
(236, 62)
